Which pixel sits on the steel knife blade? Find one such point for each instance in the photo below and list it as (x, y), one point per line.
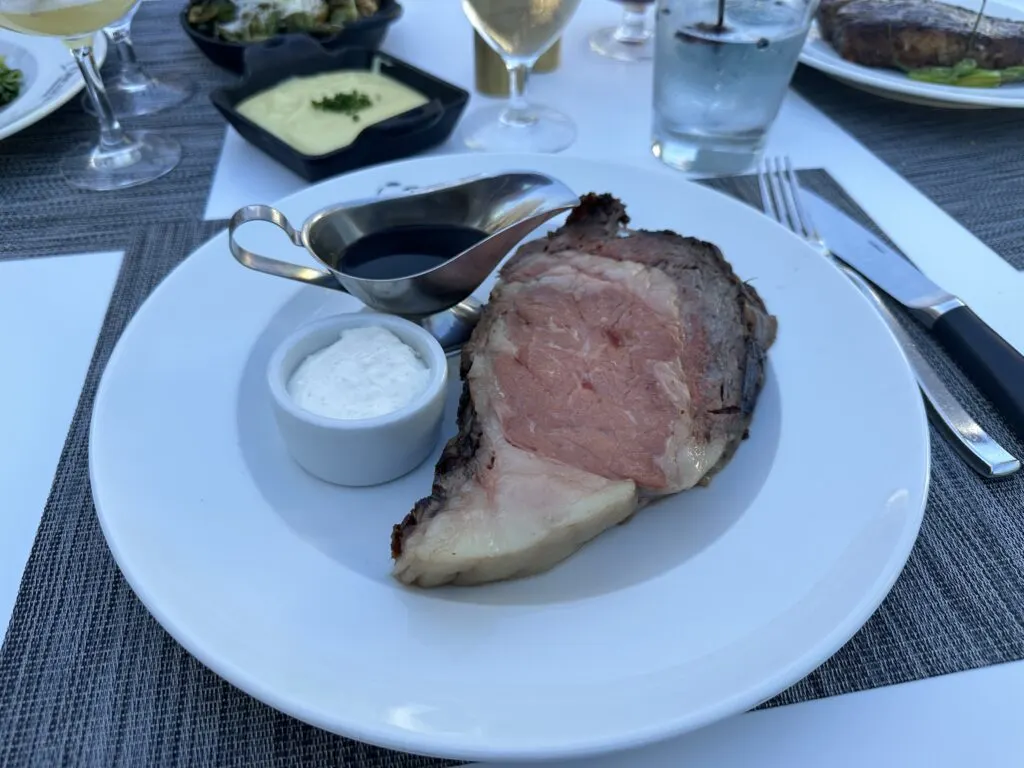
(993, 364)
(879, 263)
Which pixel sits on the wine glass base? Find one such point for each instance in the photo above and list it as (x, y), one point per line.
(146, 98)
(608, 43)
(544, 130)
(143, 157)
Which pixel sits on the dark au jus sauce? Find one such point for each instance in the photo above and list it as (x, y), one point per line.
(407, 250)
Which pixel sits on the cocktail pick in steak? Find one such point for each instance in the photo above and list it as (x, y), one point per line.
(610, 367)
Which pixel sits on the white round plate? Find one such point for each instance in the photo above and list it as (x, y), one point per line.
(50, 77)
(893, 84)
(701, 607)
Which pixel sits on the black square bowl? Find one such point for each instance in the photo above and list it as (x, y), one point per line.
(279, 59)
(368, 32)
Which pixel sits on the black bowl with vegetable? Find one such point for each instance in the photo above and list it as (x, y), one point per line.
(224, 29)
(280, 61)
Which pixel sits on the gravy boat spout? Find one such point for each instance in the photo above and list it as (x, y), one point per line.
(490, 214)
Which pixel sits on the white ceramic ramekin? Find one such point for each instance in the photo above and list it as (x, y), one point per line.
(358, 451)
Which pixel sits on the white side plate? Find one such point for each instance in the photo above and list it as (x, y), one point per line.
(50, 77)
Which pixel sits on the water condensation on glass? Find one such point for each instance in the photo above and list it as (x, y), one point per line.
(718, 89)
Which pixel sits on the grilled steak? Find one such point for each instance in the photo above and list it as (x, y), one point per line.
(610, 367)
(907, 34)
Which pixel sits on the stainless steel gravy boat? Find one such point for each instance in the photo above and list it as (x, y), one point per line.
(505, 207)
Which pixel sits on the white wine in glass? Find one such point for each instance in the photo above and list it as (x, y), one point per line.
(120, 158)
(61, 18)
(519, 31)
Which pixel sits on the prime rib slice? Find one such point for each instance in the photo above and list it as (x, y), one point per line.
(918, 33)
(610, 367)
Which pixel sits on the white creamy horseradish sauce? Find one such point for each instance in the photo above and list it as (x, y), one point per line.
(367, 372)
(322, 113)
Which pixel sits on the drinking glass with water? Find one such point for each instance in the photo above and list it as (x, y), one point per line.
(721, 71)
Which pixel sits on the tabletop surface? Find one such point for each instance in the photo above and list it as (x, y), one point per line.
(58, 279)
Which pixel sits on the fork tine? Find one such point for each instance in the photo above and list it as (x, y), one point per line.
(777, 185)
(787, 192)
(767, 203)
(806, 223)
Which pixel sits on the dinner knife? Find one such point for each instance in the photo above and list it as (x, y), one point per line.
(983, 454)
(986, 357)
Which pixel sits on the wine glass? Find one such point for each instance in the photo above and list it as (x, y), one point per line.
(631, 40)
(519, 31)
(120, 158)
(131, 90)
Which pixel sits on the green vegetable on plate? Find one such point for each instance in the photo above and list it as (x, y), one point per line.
(966, 73)
(249, 21)
(10, 83)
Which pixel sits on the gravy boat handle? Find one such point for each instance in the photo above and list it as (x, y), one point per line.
(270, 266)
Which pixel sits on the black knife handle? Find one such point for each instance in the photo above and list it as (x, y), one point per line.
(988, 360)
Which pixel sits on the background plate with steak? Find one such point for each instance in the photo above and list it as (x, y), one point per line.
(873, 44)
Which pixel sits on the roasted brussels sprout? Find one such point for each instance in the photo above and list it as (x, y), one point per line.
(249, 21)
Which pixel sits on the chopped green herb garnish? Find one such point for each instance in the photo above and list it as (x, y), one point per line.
(346, 103)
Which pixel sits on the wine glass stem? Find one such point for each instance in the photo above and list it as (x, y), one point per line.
(518, 111)
(129, 71)
(633, 26)
(111, 135)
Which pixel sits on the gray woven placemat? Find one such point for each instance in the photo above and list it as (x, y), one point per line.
(87, 677)
(970, 162)
(959, 603)
(43, 216)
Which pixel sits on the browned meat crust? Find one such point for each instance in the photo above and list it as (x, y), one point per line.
(706, 281)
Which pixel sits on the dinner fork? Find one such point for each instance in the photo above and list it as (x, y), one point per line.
(780, 199)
